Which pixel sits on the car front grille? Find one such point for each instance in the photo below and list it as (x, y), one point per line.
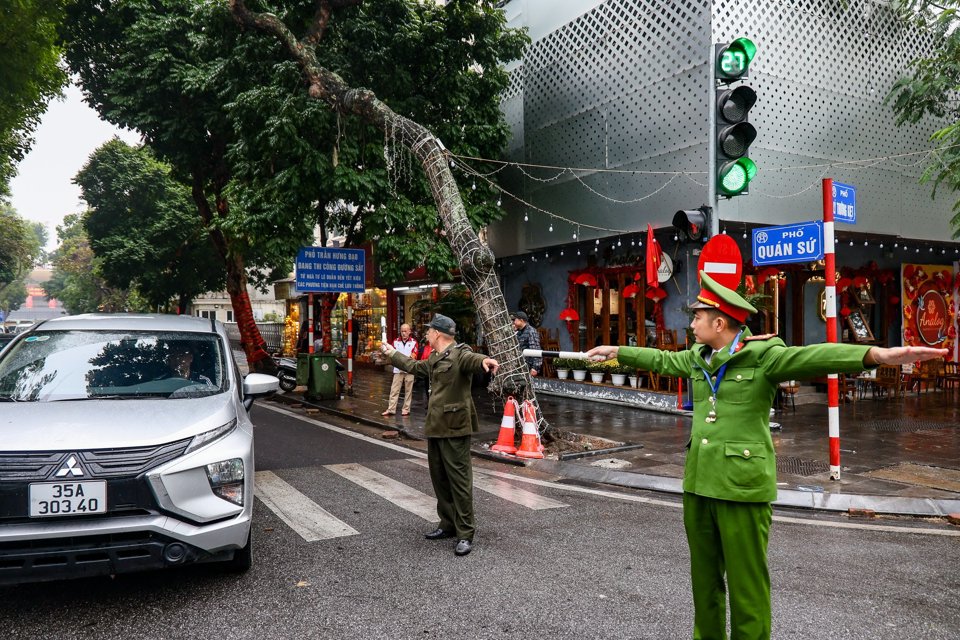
(97, 463)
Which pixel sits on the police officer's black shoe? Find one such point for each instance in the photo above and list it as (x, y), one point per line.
(438, 534)
(463, 547)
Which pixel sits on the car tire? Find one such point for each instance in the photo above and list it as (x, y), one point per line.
(242, 558)
(286, 382)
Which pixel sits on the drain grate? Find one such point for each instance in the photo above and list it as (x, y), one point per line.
(800, 466)
(903, 425)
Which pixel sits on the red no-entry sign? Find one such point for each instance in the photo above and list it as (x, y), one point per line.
(722, 260)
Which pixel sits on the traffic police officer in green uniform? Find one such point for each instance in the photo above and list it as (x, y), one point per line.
(730, 473)
(451, 420)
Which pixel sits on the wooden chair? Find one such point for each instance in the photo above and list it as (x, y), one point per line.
(848, 387)
(667, 340)
(888, 380)
(787, 392)
(929, 374)
(950, 378)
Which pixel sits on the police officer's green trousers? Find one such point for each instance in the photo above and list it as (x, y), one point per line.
(452, 477)
(728, 538)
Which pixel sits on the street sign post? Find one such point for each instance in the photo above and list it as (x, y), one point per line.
(844, 203)
(327, 269)
(801, 242)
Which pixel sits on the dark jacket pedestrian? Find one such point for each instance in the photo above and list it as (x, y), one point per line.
(529, 338)
(451, 420)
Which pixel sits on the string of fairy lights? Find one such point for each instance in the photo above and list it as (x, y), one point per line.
(463, 163)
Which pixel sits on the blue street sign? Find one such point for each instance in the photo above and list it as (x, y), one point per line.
(844, 203)
(801, 242)
(326, 269)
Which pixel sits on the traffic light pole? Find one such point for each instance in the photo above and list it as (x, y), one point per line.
(712, 148)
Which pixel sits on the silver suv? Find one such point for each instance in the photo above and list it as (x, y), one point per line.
(125, 445)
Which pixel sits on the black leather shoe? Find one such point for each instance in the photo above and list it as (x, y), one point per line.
(438, 534)
(463, 547)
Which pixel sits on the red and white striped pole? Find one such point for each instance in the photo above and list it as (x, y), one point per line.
(309, 323)
(349, 344)
(830, 268)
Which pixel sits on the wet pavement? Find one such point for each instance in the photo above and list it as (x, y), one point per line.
(898, 455)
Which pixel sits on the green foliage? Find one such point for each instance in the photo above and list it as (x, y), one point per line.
(931, 88)
(75, 280)
(31, 76)
(143, 227)
(231, 114)
(20, 247)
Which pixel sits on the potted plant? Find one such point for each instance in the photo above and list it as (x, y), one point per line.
(619, 373)
(597, 371)
(579, 368)
(563, 366)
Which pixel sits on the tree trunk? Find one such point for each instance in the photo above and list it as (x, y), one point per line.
(254, 346)
(475, 258)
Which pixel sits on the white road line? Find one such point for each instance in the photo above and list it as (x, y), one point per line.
(611, 494)
(302, 514)
(506, 490)
(405, 497)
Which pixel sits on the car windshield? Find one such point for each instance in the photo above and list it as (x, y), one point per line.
(52, 366)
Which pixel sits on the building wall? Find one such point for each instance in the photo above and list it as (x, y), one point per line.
(624, 86)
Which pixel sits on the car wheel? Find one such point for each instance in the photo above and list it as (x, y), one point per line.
(242, 558)
(286, 382)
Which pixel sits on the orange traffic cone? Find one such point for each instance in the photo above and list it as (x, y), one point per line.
(530, 441)
(508, 428)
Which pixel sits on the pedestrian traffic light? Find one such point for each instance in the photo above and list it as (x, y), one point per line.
(733, 59)
(734, 134)
(692, 224)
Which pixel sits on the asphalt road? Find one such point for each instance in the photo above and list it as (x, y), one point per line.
(606, 564)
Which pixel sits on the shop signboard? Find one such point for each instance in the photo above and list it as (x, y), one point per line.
(929, 317)
(330, 269)
(844, 203)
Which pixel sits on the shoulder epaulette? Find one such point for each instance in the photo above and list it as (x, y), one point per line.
(762, 336)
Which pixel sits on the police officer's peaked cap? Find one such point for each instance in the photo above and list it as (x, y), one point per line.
(443, 324)
(714, 295)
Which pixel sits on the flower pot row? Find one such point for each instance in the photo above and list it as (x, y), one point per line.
(580, 375)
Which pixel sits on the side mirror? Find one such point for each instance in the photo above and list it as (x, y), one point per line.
(258, 385)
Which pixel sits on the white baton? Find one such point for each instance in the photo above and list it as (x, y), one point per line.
(537, 353)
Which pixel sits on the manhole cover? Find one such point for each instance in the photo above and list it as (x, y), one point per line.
(903, 425)
(801, 467)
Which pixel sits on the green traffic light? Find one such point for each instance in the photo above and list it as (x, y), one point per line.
(735, 176)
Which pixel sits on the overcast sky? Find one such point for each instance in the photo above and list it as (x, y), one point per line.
(70, 131)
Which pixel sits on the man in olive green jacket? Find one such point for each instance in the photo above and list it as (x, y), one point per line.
(451, 420)
(730, 478)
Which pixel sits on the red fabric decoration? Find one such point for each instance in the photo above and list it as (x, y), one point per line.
(586, 280)
(653, 260)
(656, 294)
(569, 315)
(844, 311)
(860, 282)
(843, 283)
(631, 291)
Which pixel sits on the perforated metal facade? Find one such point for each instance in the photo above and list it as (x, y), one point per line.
(625, 86)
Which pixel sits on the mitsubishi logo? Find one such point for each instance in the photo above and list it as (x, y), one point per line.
(71, 468)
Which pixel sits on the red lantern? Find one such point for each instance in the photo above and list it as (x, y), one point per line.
(656, 294)
(843, 283)
(631, 291)
(569, 315)
(844, 311)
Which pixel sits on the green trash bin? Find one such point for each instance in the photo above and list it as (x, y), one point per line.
(318, 371)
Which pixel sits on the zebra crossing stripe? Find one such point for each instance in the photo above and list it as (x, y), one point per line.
(506, 490)
(302, 514)
(405, 497)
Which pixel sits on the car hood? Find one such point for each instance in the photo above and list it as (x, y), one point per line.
(102, 424)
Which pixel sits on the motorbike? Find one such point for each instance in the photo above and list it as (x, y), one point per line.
(286, 372)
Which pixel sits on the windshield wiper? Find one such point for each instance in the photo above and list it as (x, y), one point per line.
(125, 396)
(6, 398)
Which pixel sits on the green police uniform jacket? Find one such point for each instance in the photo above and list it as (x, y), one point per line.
(733, 458)
(450, 411)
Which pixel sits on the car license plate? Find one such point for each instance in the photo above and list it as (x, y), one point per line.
(67, 498)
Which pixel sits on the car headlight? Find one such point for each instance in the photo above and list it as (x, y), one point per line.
(226, 479)
(205, 438)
